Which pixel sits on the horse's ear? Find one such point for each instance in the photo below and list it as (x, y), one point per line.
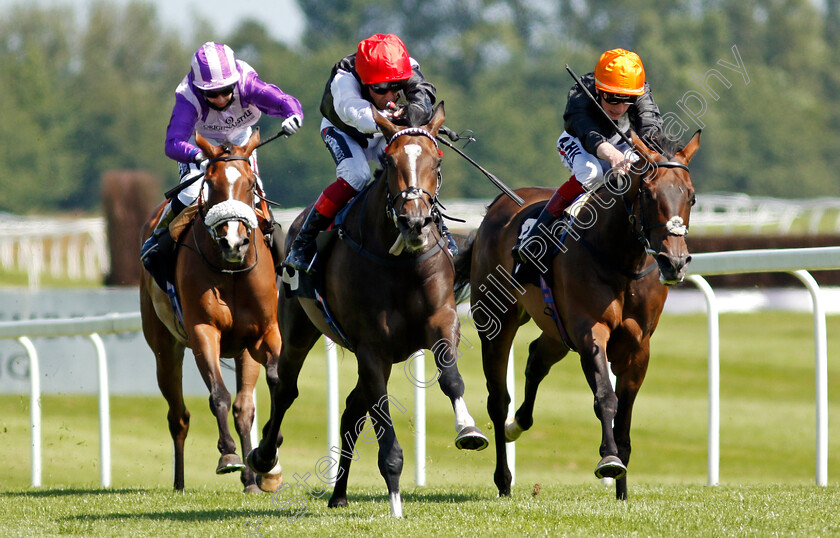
(437, 119)
(693, 145)
(253, 142)
(388, 129)
(209, 150)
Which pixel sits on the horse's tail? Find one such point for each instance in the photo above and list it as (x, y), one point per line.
(463, 265)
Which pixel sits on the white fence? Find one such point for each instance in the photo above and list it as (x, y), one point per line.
(795, 261)
(62, 248)
(77, 248)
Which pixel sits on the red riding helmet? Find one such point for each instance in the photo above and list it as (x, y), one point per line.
(382, 58)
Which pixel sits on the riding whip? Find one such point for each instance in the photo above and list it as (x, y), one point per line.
(598, 105)
(181, 186)
(496, 181)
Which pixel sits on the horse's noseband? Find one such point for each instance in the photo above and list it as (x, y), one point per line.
(229, 210)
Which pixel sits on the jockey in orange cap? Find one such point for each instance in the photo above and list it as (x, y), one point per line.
(590, 146)
(381, 73)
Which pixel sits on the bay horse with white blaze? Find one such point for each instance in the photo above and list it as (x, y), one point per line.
(601, 296)
(226, 286)
(388, 282)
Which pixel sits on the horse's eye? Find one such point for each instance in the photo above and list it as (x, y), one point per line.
(693, 200)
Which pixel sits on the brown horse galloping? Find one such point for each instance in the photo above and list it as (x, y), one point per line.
(607, 293)
(224, 276)
(388, 305)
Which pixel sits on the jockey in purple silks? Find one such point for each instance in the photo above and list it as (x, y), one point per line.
(222, 98)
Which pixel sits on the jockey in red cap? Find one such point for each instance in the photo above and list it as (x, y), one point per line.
(380, 73)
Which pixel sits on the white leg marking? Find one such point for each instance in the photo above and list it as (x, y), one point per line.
(396, 505)
(413, 151)
(512, 430)
(462, 416)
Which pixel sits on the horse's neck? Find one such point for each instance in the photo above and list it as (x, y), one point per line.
(378, 231)
(613, 232)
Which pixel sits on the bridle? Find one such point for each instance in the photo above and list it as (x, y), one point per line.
(641, 228)
(224, 212)
(395, 203)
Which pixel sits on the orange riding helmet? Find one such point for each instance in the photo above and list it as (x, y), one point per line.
(382, 58)
(620, 71)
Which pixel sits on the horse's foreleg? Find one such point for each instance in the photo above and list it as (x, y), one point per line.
(247, 373)
(299, 335)
(352, 423)
(206, 350)
(495, 350)
(543, 353)
(373, 379)
(593, 360)
(443, 337)
(628, 383)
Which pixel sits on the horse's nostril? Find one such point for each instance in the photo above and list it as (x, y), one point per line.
(688, 259)
(224, 243)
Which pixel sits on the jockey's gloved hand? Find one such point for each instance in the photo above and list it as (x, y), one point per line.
(291, 124)
(201, 161)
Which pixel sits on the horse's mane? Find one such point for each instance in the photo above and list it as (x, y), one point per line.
(227, 147)
(662, 144)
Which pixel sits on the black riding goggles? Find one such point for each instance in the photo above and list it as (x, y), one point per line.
(211, 94)
(618, 99)
(384, 87)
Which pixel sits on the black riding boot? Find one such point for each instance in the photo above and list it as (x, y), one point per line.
(158, 251)
(544, 220)
(302, 250)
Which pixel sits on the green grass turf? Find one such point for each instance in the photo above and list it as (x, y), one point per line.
(767, 453)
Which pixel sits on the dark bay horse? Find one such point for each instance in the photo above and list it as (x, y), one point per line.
(389, 284)
(225, 281)
(609, 283)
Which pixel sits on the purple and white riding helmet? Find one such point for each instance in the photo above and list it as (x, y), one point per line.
(214, 66)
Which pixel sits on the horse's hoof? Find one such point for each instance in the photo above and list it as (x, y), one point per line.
(512, 430)
(337, 502)
(471, 438)
(229, 463)
(252, 488)
(610, 467)
(269, 483)
(260, 466)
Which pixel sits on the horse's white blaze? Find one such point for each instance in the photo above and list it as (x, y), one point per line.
(462, 416)
(232, 175)
(396, 504)
(413, 151)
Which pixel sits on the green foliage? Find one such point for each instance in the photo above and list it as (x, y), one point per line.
(83, 98)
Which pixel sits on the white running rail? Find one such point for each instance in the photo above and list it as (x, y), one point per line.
(796, 262)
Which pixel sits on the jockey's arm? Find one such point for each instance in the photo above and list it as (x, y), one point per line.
(351, 107)
(180, 130)
(269, 98)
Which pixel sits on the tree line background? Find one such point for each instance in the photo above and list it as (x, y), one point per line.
(84, 97)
